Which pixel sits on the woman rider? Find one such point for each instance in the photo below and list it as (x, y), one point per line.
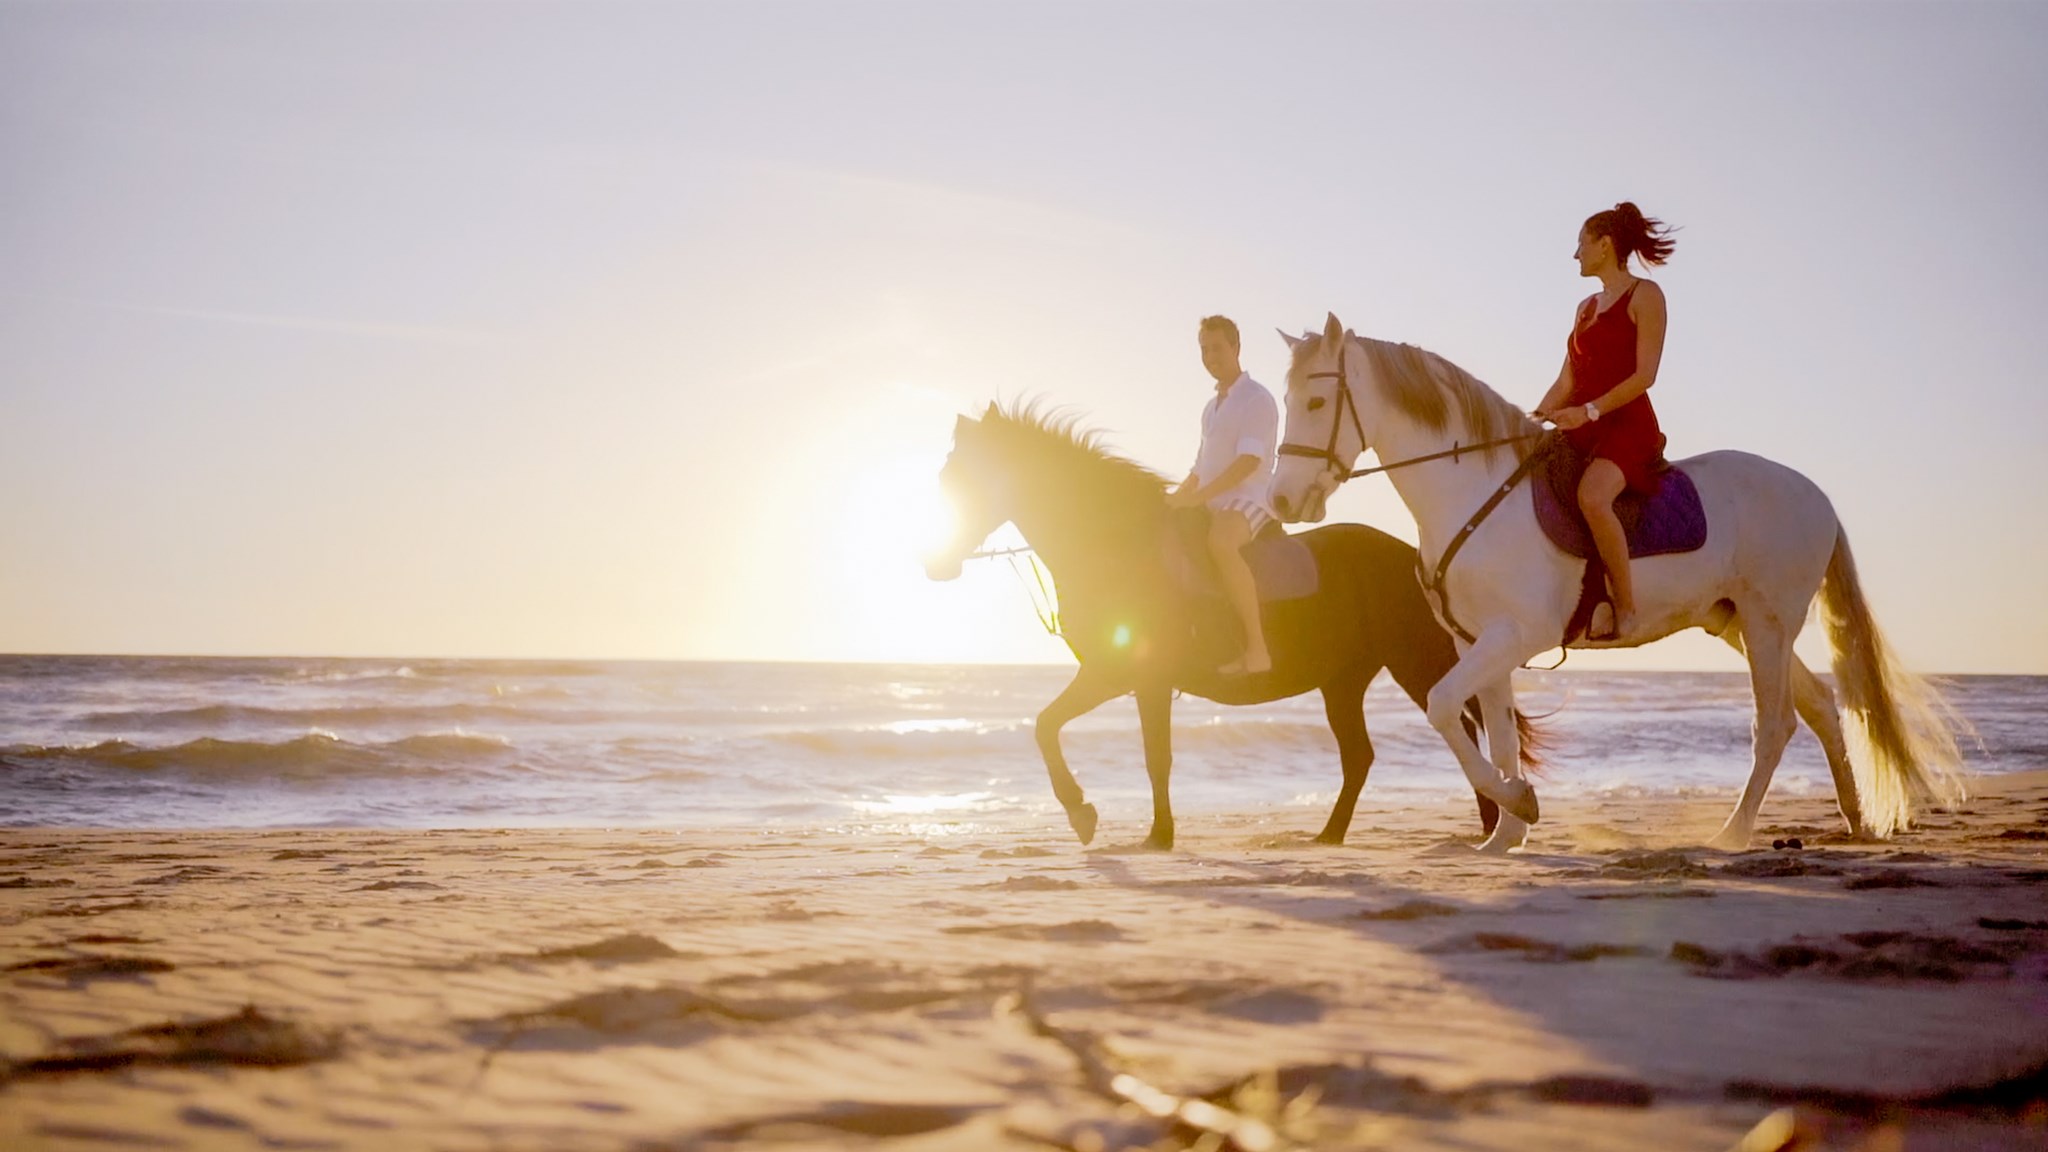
(1601, 397)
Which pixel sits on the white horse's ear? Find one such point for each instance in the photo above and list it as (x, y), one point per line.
(1333, 330)
(961, 425)
(1291, 341)
(991, 411)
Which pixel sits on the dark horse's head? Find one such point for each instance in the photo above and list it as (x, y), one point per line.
(976, 486)
(1024, 464)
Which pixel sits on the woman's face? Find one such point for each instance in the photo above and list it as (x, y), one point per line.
(1593, 252)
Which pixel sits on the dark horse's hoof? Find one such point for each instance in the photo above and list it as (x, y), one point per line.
(1082, 817)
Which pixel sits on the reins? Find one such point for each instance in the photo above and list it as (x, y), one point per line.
(1347, 403)
(1452, 453)
(1432, 583)
(1045, 602)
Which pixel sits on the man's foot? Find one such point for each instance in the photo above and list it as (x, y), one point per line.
(1253, 664)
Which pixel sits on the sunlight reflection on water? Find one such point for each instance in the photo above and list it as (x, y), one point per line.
(925, 805)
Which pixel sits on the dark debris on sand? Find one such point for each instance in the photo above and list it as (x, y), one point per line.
(1360, 1087)
(626, 949)
(1889, 878)
(1600, 1091)
(1773, 865)
(247, 1038)
(1881, 955)
(2011, 925)
(1072, 932)
(2020, 1092)
(1667, 862)
(1532, 949)
(1651, 894)
(1410, 910)
(92, 966)
(626, 1010)
(838, 1121)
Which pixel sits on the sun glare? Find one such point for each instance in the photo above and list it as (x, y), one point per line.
(891, 516)
(895, 513)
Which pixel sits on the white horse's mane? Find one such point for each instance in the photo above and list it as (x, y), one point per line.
(1422, 385)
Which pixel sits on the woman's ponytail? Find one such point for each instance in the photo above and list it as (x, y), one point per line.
(1633, 233)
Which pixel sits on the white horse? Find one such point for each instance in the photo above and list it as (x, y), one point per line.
(1773, 542)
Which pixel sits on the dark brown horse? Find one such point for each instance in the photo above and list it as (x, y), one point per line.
(1136, 624)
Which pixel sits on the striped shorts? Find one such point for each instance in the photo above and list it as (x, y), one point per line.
(1255, 514)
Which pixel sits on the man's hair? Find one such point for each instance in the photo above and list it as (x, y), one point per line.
(1224, 325)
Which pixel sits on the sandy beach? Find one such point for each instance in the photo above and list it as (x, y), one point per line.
(920, 988)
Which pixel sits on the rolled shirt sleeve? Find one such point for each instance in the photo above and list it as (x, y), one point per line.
(1260, 433)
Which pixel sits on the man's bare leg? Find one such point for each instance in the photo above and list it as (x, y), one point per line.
(1229, 532)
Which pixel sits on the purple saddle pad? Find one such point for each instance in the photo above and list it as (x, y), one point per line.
(1282, 566)
(1671, 520)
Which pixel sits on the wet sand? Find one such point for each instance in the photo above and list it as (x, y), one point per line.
(1611, 988)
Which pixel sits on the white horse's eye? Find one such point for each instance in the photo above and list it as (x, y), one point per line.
(1315, 402)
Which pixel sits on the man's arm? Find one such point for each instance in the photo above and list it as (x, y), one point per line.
(1189, 494)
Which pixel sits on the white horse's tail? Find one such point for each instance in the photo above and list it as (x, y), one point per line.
(1906, 731)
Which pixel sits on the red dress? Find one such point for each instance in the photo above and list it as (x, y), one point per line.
(1603, 353)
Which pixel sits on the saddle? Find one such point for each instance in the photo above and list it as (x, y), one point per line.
(1282, 568)
(1668, 521)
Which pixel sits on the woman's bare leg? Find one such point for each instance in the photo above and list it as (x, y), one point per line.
(1598, 488)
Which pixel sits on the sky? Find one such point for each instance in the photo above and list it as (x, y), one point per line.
(624, 331)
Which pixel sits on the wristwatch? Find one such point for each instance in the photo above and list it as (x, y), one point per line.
(1592, 412)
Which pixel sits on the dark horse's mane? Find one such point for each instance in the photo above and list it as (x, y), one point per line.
(1044, 441)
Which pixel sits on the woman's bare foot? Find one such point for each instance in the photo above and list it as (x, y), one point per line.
(1609, 622)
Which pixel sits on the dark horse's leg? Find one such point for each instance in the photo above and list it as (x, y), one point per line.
(1089, 690)
(1155, 718)
(1344, 705)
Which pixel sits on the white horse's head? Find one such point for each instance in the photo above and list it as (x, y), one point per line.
(1327, 430)
(975, 487)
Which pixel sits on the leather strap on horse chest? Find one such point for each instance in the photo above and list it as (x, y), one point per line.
(1433, 584)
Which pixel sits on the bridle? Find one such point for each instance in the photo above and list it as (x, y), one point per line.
(1432, 582)
(1346, 402)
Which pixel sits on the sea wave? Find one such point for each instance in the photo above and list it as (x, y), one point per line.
(348, 675)
(189, 741)
(313, 756)
(220, 719)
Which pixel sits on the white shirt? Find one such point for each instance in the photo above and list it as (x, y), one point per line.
(1244, 420)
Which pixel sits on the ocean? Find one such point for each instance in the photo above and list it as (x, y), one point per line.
(252, 743)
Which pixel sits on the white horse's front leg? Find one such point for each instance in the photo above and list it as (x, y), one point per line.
(1484, 668)
(1504, 741)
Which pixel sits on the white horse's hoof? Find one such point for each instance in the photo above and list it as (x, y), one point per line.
(1518, 799)
(1730, 840)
